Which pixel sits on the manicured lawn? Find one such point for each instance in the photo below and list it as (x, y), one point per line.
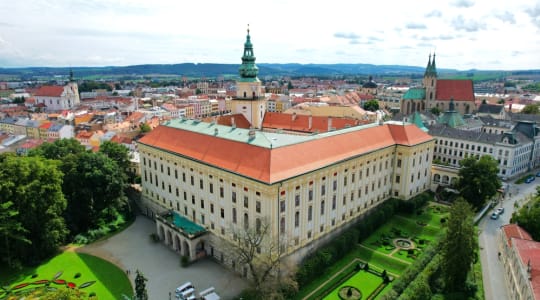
(380, 260)
(364, 281)
(110, 281)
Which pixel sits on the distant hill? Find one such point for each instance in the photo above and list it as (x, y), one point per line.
(214, 70)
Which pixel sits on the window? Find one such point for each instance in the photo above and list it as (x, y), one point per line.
(334, 202)
(246, 221)
(168, 171)
(233, 194)
(296, 219)
(183, 177)
(322, 207)
(246, 201)
(234, 215)
(211, 208)
(192, 199)
(201, 185)
(323, 190)
(202, 203)
(221, 192)
(211, 188)
(258, 206)
(397, 178)
(399, 163)
(282, 225)
(282, 206)
(310, 213)
(175, 174)
(310, 195)
(222, 213)
(297, 200)
(192, 180)
(334, 185)
(345, 181)
(258, 225)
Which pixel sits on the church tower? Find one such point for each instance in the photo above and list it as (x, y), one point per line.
(430, 82)
(72, 92)
(250, 100)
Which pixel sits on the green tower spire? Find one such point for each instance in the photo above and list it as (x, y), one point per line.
(433, 67)
(248, 70)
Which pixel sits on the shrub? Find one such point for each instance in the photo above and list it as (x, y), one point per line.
(184, 261)
(80, 239)
(154, 237)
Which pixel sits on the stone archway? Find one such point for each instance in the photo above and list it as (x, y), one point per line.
(185, 249)
(169, 238)
(177, 244)
(436, 178)
(161, 233)
(445, 179)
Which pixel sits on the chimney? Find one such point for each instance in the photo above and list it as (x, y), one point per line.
(215, 131)
(233, 124)
(310, 122)
(293, 117)
(251, 134)
(329, 123)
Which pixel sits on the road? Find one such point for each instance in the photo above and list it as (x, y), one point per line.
(492, 269)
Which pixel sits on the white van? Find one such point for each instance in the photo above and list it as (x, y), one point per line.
(188, 294)
(184, 287)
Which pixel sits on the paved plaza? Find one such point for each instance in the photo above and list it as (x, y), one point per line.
(133, 249)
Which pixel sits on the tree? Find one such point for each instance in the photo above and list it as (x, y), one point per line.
(478, 179)
(140, 286)
(10, 229)
(262, 253)
(436, 111)
(145, 128)
(34, 186)
(528, 216)
(371, 105)
(94, 187)
(117, 152)
(458, 246)
(531, 109)
(59, 149)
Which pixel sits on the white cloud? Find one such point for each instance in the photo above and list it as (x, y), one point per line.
(124, 32)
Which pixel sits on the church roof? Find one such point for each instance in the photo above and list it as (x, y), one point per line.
(50, 91)
(457, 89)
(415, 94)
(416, 119)
(301, 123)
(272, 157)
(490, 108)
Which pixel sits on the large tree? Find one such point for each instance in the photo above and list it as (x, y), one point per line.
(10, 229)
(140, 286)
(528, 216)
(58, 149)
(262, 253)
(94, 187)
(33, 185)
(458, 246)
(117, 152)
(478, 179)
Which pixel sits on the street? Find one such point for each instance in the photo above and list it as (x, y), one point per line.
(492, 269)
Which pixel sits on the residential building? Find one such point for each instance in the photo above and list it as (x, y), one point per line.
(520, 256)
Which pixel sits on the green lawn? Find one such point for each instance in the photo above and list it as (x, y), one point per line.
(110, 281)
(364, 281)
(381, 261)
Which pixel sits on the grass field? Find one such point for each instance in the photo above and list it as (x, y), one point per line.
(364, 281)
(110, 281)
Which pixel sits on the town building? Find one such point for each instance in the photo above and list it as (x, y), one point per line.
(202, 181)
(520, 256)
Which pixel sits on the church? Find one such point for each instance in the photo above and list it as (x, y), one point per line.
(438, 93)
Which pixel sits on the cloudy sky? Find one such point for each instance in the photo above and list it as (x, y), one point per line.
(466, 34)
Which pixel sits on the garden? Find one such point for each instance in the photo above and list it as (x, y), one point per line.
(85, 274)
(384, 256)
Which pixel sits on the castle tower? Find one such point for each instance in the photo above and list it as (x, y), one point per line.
(250, 100)
(430, 82)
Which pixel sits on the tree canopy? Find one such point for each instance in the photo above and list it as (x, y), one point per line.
(458, 246)
(528, 216)
(140, 286)
(117, 152)
(33, 185)
(58, 149)
(371, 105)
(531, 109)
(478, 180)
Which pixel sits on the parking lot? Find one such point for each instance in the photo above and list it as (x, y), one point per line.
(133, 249)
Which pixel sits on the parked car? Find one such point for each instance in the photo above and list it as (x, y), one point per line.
(529, 179)
(538, 174)
(500, 210)
(494, 216)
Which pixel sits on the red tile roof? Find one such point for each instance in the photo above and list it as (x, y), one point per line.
(459, 90)
(271, 165)
(239, 120)
(514, 231)
(50, 91)
(297, 122)
(46, 125)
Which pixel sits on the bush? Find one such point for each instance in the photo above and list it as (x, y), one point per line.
(154, 237)
(80, 239)
(184, 261)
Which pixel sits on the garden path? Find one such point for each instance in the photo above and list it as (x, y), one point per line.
(389, 255)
